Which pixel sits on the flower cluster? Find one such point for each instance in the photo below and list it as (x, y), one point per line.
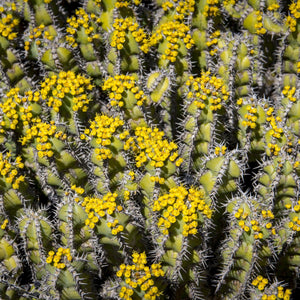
(98, 208)
(253, 226)
(211, 8)
(9, 109)
(140, 277)
(228, 2)
(40, 34)
(8, 169)
(77, 189)
(181, 203)
(42, 133)
(8, 22)
(115, 227)
(280, 294)
(289, 93)
(251, 117)
(294, 224)
(15, 108)
(124, 3)
(174, 32)
(119, 34)
(213, 40)
(183, 8)
(221, 150)
(291, 21)
(82, 26)
(260, 283)
(148, 145)
(273, 7)
(157, 179)
(55, 258)
(276, 132)
(259, 25)
(122, 85)
(295, 9)
(207, 90)
(67, 85)
(102, 129)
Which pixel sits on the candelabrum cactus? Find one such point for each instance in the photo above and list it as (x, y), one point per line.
(149, 149)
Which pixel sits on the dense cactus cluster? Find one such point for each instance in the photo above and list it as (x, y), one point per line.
(149, 149)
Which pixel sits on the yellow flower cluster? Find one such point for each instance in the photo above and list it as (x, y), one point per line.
(275, 131)
(115, 227)
(251, 117)
(291, 23)
(167, 5)
(126, 195)
(82, 24)
(296, 207)
(9, 109)
(140, 276)
(78, 190)
(183, 8)
(228, 2)
(119, 34)
(291, 20)
(295, 9)
(221, 150)
(240, 101)
(16, 107)
(274, 148)
(124, 3)
(294, 224)
(98, 208)
(273, 7)
(281, 294)
(267, 214)
(259, 25)
(121, 3)
(207, 90)
(102, 129)
(41, 132)
(148, 144)
(253, 225)
(296, 164)
(8, 22)
(66, 85)
(213, 40)
(4, 224)
(55, 258)
(119, 86)
(40, 34)
(260, 283)
(158, 179)
(173, 32)
(184, 203)
(8, 170)
(211, 8)
(289, 92)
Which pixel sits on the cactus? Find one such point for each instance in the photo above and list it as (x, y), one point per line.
(149, 149)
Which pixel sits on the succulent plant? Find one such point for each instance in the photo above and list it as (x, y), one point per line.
(149, 149)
